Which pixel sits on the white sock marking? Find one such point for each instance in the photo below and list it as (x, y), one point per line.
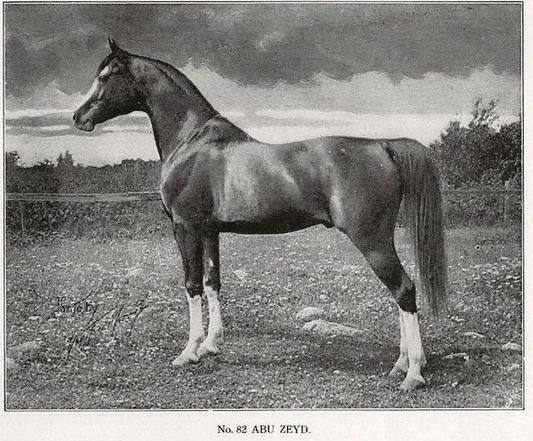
(215, 330)
(403, 360)
(196, 332)
(415, 351)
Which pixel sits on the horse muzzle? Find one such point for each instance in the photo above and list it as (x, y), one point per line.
(82, 123)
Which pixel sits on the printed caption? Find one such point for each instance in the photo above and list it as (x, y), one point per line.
(264, 428)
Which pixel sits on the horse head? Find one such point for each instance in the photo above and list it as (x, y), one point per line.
(113, 92)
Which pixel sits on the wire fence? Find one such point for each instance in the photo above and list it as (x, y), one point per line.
(82, 212)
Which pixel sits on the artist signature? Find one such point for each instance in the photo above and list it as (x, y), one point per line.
(107, 322)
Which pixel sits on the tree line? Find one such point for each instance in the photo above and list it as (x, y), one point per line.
(63, 176)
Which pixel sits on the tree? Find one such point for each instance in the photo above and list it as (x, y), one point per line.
(479, 153)
(65, 162)
(11, 161)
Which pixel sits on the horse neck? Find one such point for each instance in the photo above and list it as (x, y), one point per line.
(177, 110)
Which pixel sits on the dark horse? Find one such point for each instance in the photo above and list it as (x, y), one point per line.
(216, 178)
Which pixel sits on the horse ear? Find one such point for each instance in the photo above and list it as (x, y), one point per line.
(113, 45)
(120, 53)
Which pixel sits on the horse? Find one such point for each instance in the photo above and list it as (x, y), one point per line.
(216, 178)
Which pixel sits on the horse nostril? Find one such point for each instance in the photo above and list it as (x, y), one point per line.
(75, 116)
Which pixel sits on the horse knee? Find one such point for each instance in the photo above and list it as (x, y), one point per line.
(194, 288)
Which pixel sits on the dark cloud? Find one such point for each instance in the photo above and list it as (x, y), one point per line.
(261, 44)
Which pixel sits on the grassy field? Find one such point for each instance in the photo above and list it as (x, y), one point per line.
(114, 348)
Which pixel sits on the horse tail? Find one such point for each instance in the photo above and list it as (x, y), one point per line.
(423, 208)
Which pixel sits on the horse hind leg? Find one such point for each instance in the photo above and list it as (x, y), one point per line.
(382, 257)
(402, 364)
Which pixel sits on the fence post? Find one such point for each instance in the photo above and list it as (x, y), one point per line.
(21, 211)
(506, 201)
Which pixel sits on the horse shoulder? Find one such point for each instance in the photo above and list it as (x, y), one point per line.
(185, 181)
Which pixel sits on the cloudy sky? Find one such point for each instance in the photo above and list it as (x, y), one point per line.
(281, 71)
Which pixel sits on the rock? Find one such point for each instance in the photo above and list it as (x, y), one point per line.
(241, 274)
(324, 328)
(27, 351)
(134, 272)
(474, 334)
(512, 367)
(348, 268)
(457, 355)
(11, 364)
(310, 313)
(512, 347)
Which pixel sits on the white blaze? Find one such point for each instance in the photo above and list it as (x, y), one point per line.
(105, 71)
(92, 91)
(94, 87)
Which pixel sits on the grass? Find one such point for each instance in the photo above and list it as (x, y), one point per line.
(121, 356)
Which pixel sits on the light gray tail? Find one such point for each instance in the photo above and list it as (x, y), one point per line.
(423, 208)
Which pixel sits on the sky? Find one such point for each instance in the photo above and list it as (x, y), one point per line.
(282, 72)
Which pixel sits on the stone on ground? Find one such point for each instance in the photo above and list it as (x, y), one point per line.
(241, 274)
(512, 347)
(310, 313)
(27, 351)
(10, 364)
(324, 328)
(474, 334)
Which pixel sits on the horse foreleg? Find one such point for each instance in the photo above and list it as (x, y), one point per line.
(190, 246)
(211, 260)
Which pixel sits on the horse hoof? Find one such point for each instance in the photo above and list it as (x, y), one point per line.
(208, 350)
(396, 372)
(185, 359)
(412, 383)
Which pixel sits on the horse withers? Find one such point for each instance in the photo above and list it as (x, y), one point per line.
(216, 178)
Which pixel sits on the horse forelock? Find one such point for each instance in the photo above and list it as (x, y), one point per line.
(104, 63)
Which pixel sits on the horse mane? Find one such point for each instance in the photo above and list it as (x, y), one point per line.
(174, 76)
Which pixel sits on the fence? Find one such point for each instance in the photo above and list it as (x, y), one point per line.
(78, 213)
